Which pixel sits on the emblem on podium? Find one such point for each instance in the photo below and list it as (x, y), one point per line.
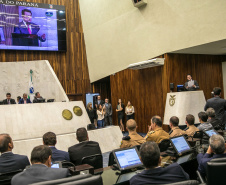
(172, 100)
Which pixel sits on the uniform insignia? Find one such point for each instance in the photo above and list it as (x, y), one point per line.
(126, 138)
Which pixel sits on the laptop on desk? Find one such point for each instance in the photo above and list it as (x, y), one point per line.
(210, 132)
(180, 145)
(127, 159)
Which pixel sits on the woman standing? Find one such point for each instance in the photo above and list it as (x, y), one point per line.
(91, 112)
(120, 110)
(100, 116)
(129, 111)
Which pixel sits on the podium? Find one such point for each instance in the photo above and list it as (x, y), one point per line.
(182, 103)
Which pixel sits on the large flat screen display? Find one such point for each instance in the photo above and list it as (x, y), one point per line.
(32, 26)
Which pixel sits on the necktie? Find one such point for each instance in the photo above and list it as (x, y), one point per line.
(8, 101)
(28, 28)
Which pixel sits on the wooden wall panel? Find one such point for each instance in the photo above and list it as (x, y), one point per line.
(71, 66)
(147, 88)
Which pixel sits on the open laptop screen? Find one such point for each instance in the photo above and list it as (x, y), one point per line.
(180, 144)
(211, 132)
(127, 158)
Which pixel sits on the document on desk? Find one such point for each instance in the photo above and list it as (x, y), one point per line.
(190, 83)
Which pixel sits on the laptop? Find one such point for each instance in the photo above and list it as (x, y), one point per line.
(183, 159)
(127, 158)
(210, 132)
(56, 165)
(180, 145)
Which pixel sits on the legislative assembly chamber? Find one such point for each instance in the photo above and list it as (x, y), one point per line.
(112, 92)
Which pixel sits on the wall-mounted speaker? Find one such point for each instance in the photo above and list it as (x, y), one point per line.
(139, 3)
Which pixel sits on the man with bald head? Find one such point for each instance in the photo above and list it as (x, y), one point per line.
(8, 161)
(133, 138)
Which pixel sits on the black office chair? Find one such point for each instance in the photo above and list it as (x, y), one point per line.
(64, 180)
(188, 182)
(138, 147)
(94, 180)
(94, 160)
(197, 134)
(111, 159)
(164, 145)
(5, 178)
(215, 172)
(91, 127)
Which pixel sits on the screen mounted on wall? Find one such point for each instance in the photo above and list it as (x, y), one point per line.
(32, 26)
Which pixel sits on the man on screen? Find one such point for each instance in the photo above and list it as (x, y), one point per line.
(29, 28)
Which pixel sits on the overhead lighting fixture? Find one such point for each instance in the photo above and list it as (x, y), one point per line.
(147, 64)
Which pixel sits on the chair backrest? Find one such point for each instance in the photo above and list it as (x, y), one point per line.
(218, 160)
(164, 145)
(91, 127)
(5, 178)
(94, 160)
(138, 147)
(198, 134)
(64, 180)
(111, 159)
(215, 173)
(189, 182)
(94, 180)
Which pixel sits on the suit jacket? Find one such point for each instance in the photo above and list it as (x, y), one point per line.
(59, 155)
(218, 104)
(22, 101)
(12, 101)
(96, 103)
(170, 174)
(38, 173)
(11, 162)
(21, 28)
(204, 158)
(192, 88)
(108, 110)
(83, 149)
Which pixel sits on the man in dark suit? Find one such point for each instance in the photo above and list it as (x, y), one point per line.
(216, 150)
(108, 113)
(216, 123)
(217, 103)
(30, 28)
(8, 100)
(191, 85)
(84, 148)
(153, 173)
(98, 101)
(37, 97)
(50, 140)
(8, 161)
(24, 100)
(40, 169)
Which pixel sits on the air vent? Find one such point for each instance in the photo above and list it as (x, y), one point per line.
(146, 64)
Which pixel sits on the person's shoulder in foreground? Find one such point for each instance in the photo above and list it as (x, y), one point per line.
(153, 173)
(40, 169)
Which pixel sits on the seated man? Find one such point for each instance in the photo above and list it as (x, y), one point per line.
(84, 148)
(212, 119)
(153, 173)
(8, 100)
(37, 97)
(156, 133)
(40, 169)
(8, 161)
(204, 125)
(175, 130)
(133, 138)
(216, 150)
(50, 140)
(191, 128)
(24, 100)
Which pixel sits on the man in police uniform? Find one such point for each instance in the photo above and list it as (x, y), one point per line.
(191, 128)
(175, 130)
(133, 138)
(156, 133)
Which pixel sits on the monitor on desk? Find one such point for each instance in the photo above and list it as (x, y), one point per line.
(211, 132)
(127, 158)
(180, 145)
